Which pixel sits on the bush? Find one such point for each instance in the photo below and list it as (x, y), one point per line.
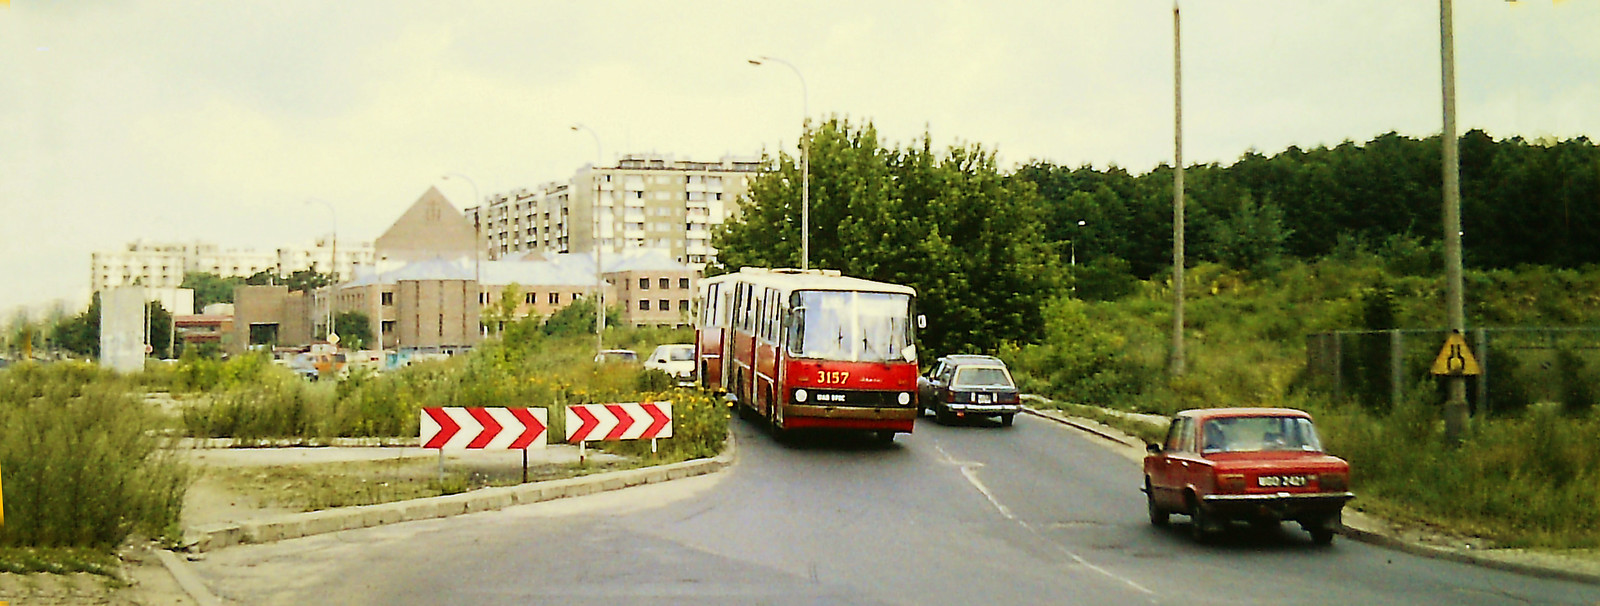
(82, 466)
(699, 428)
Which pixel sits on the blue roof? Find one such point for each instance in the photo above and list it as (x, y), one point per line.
(556, 270)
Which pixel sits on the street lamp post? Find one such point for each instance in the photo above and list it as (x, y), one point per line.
(1455, 408)
(477, 244)
(1073, 259)
(1074, 242)
(599, 276)
(1175, 359)
(333, 267)
(805, 160)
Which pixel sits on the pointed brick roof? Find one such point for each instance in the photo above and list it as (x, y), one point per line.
(431, 228)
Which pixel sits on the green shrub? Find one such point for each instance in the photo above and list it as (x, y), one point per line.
(699, 428)
(1577, 386)
(81, 465)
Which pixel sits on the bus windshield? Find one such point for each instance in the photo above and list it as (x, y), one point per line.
(852, 326)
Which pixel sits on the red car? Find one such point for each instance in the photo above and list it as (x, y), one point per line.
(1262, 465)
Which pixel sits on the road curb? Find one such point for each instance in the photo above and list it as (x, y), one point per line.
(1372, 537)
(1365, 535)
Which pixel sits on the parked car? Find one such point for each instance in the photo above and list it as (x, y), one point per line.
(1261, 465)
(617, 356)
(676, 359)
(969, 385)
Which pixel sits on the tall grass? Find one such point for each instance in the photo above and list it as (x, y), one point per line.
(1528, 481)
(81, 465)
(523, 369)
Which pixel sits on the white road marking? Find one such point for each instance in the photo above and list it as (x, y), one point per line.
(969, 470)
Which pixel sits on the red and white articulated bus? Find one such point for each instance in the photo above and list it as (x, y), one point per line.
(810, 349)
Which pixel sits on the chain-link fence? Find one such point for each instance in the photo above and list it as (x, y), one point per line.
(1521, 366)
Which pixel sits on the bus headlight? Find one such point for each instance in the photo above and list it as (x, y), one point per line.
(799, 395)
(905, 399)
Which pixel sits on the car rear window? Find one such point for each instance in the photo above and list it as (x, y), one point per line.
(1251, 434)
(982, 376)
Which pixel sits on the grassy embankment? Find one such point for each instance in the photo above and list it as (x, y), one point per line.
(1526, 476)
(85, 470)
(82, 469)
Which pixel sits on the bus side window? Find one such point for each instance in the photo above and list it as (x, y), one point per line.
(796, 321)
(770, 328)
(747, 323)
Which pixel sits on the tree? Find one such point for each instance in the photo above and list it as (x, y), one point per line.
(210, 288)
(1248, 235)
(80, 334)
(577, 318)
(503, 310)
(354, 329)
(946, 223)
(307, 279)
(159, 335)
(265, 277)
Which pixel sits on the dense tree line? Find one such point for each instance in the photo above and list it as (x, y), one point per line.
(986, 250)
(1523, 202)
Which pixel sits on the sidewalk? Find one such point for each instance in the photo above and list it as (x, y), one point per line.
(1580, 565)
(213, 521)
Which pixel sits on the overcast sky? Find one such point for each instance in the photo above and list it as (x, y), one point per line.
(180, 121)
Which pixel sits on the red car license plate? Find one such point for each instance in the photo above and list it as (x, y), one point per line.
(1282, 481)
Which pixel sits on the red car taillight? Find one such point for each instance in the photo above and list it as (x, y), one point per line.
(1333, 482)
(1230, 482)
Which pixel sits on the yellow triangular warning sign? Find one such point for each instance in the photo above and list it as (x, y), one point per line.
(1455, 358)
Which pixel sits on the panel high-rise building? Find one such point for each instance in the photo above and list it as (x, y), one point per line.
(163, 265)
(643, 202)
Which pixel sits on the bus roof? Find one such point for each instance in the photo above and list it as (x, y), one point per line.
(788, 280)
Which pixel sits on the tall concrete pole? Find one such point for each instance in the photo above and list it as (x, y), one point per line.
(805, 161)
(1175, 361)
(333, 263)
(1455, 411)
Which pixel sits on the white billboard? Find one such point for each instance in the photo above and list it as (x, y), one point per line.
(122, 335)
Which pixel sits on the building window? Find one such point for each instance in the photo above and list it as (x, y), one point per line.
(683, 283)
(665, 305)
(528, 298)
(644, 305)
(555, 298)
(665, 283)
(386, 298)
(683, 304)
(644, 283)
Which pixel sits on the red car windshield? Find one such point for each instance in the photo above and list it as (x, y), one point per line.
(1255, 434)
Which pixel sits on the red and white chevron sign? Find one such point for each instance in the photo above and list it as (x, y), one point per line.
(488, 428)
(627, 421)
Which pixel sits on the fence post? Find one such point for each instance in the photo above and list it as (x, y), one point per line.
(1338, 366)
(1482, 347)
(1396, 367)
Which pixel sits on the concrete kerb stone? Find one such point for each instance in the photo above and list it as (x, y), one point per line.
(297, 525)
(1355, 526)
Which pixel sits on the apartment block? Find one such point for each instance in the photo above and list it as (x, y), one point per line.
(163, 265)
(644, 201)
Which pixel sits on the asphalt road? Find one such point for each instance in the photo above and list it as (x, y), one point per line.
(1032, 514)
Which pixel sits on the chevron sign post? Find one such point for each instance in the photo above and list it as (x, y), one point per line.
(626, 421)
(485, 428)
